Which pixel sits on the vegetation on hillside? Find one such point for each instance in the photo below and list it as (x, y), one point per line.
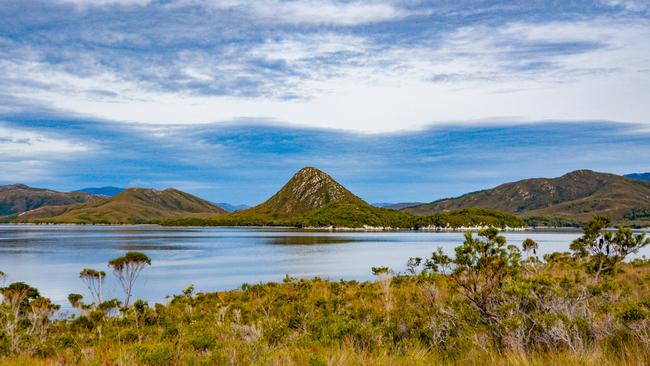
(489, 303)
(7, 219)
(342, 214)
(349, 215)
(551, 221)
(469, 217)
(639, 214)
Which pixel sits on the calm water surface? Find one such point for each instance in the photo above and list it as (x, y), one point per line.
(51, 257)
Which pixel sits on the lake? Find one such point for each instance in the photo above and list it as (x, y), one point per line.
(51, 257)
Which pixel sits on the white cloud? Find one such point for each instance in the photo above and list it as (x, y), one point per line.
(306, 12)
(350, 82)
(102, 3)
(326, 12)
(631, 5)
(303, 47)
(317, 12)
(24, 171)
(27, 155)
(27, 144)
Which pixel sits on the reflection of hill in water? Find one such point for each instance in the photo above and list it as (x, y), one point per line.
(143, 247)
(307, 240)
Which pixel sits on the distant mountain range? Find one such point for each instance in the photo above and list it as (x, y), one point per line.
(574, 196)
(132, 206)
(641, 176)
(312, 198)
(397, 206)
(232, 208)
(103, 191)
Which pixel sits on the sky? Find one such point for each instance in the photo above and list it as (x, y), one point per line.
(398, 100)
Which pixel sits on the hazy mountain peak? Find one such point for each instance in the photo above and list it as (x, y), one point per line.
(232, 207)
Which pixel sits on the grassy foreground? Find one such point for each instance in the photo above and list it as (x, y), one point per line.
(492, 303)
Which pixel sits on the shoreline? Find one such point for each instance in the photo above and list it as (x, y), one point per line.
(369, 229)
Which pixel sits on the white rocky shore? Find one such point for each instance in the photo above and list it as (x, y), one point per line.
(469, 228)
(448, 228)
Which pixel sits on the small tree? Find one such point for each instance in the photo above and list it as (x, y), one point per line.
(412, 265)
(603, 250)
(530, 246)
(127, 269)
(479, 270)
(41, 310)
(16, 297)
(109, 307)
(94, 280)
(76, 300)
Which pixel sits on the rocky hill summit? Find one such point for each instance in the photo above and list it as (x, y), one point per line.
(308, 189)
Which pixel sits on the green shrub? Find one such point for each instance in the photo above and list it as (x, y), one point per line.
(129, 336)
(315, 360)
(202, 342)
(633, 312)
(156, 354)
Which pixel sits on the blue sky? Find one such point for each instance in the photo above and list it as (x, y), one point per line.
(399, 100)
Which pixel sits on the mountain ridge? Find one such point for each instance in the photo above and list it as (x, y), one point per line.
(132, 206)
(577, 195)
(18, 198)
(311, 197)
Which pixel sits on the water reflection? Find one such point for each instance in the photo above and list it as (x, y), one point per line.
(312, 239)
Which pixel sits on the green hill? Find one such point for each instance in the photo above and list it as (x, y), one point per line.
(133, 206)
(353, 215)
(468, 217)
(573, 197)
(308, 189)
